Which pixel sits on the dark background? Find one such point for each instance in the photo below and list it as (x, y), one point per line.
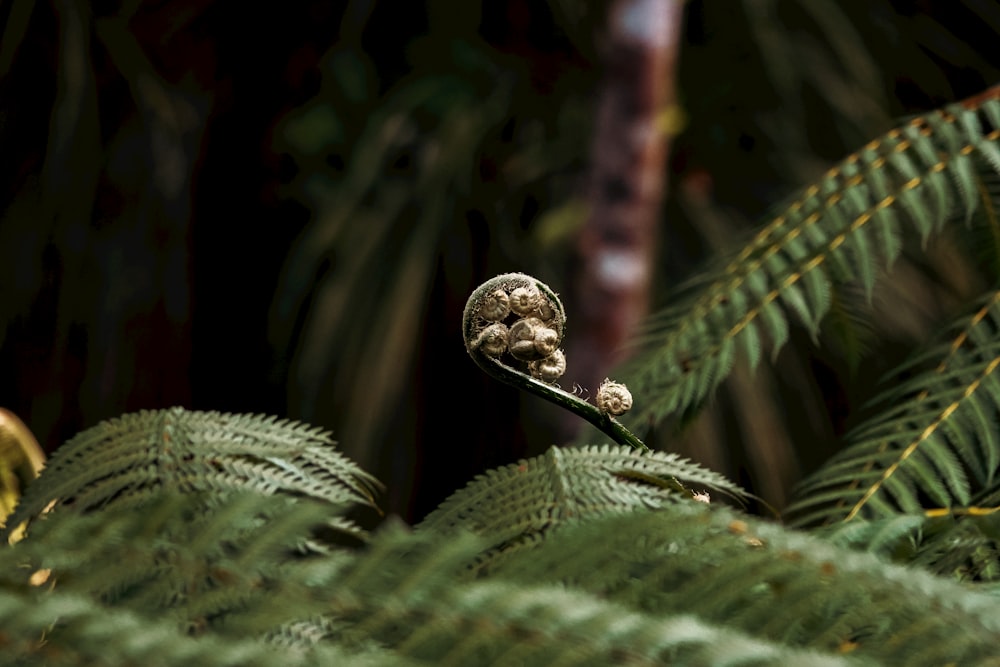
(281, 208)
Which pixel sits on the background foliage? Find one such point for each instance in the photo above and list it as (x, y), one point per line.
(247, 219)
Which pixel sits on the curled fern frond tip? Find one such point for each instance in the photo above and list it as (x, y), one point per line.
(613, 398)
(513, 328)
(536, 331)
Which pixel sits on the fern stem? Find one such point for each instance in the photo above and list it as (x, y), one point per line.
(606, 423)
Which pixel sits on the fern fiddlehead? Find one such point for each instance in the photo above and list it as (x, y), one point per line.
(533, 340)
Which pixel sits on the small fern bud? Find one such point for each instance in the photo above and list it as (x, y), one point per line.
(531, 340)
(524, 300)
(550, 368)
(493, 339)
(495, 306)
(544, 311)
(613, 398)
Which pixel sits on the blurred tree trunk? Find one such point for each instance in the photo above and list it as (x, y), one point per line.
(625, 188)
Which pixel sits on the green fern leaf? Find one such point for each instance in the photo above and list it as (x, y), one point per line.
(189, 558)
(90, 634)
(129, 460)
(751, 345)
(934, 446)
(850, 223)
(960, 544)
(515, 505)
(238, 566)
(412, 593)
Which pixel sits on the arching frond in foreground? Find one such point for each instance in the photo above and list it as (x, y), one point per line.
(515, 505)
(120, 586)
(769, 582)
(126, 461)
(407, 599)
(935, 445)
(847, 225)
(407, 593)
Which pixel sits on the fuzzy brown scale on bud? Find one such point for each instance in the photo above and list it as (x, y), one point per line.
(549, 369)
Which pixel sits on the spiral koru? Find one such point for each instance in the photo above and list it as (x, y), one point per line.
(513, 327)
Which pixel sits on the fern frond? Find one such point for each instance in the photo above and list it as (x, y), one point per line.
(70, 629)
(175, 558)
(963, 543)
(936, 445)
(515, 505)
(850, 223)
(126, 461)
(59, 629)
(408, 594)
(760, 579)
(174, 569)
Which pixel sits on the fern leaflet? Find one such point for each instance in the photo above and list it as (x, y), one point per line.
(848, 224)
(936, 444)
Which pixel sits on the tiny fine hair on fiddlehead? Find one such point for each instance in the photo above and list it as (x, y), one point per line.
(513, 328)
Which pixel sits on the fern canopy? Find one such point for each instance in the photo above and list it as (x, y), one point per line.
(596, 556)
(849, 224)
(171, 584)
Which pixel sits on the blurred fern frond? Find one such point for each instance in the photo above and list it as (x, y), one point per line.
(758, 578)
(407, 174)
(126, 461)
(847, 226)
(171, 584)
(412, 593)
(21, 459)
(195, 559)
(962, 544)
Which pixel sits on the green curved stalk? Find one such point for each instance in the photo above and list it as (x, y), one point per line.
(606, 423)
(472, 327)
